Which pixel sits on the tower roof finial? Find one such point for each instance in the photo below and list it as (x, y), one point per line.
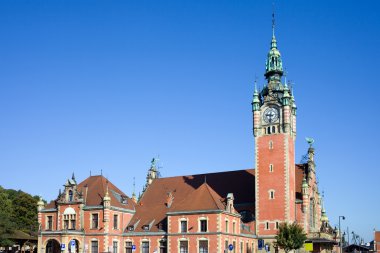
(273, 20)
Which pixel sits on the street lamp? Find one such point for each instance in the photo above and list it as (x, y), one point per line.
(340, 233)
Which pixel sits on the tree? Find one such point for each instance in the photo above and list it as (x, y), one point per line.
(290, 237)
(6, 226)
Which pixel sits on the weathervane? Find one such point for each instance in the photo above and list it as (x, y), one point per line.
(310, 141)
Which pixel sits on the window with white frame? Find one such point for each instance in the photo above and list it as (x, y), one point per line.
(267, 225)
(94, 220)
(183, 224)
(183, 247)
(115, 221)
(270, 167)
(115, 246)
(128, 247)
(49, 225)
(69, 218)
(145, 247)
(94, 247)
(203, 225)
(203, 246)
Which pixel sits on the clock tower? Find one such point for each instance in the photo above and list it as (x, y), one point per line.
(274, 129)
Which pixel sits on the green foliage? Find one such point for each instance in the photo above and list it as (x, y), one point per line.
(18, 211)
(290, 237)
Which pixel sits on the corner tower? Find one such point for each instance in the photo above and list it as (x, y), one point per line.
(274, 129)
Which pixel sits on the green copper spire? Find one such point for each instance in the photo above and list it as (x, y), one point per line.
(256, 100)
(286, 98)
(273, 66)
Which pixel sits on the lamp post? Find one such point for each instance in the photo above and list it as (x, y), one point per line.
(340, 234)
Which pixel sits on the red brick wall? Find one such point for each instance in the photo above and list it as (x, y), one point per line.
(281, 155)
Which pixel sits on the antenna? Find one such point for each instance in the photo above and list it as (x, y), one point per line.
(101, 172)
(90, 173)
(134, 185)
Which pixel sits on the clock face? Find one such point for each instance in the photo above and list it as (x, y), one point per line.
(270, 115)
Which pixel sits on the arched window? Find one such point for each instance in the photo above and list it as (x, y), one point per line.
(269, 130)
(273, 129)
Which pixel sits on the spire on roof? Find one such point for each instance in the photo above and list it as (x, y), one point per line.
(273, 68)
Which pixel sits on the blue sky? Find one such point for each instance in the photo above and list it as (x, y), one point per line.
(107, 85)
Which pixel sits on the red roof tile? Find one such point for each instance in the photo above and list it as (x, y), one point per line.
(153, 203)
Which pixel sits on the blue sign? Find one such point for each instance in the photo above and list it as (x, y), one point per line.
(133, 247)
(260, 244)
(266, 247)
(62, 246)
(230, 247)
(73, 243)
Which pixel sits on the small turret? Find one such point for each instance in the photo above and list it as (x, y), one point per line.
(107, 199)
(40, 204)
(230, 203)
(286, 98)
(152, 173)
(255, 100)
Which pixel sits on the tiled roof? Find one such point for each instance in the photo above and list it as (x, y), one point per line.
(153, 205)
(94, 189)
(203, 198)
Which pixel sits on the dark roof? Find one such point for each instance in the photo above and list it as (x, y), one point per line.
(153, 204)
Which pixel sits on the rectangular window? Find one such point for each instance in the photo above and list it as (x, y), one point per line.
(115, 221)
(266, 225)
(49, 222)
(241, 247)
(94, 247)
(115, 247)
(233, 227)
(246, 247)
(145, 247)
(270, 167)
(226, 226)
(226, 246)
(95, 220)
(277, 225)
(234, 250)
(183, 248)
(183, 226)
(162, 246)
(203, 225)
(271, 194)
(65, 221)
(72, 225)
(203, 246)
(128, 247)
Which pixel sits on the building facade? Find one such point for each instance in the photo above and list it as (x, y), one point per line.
(216, 212)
